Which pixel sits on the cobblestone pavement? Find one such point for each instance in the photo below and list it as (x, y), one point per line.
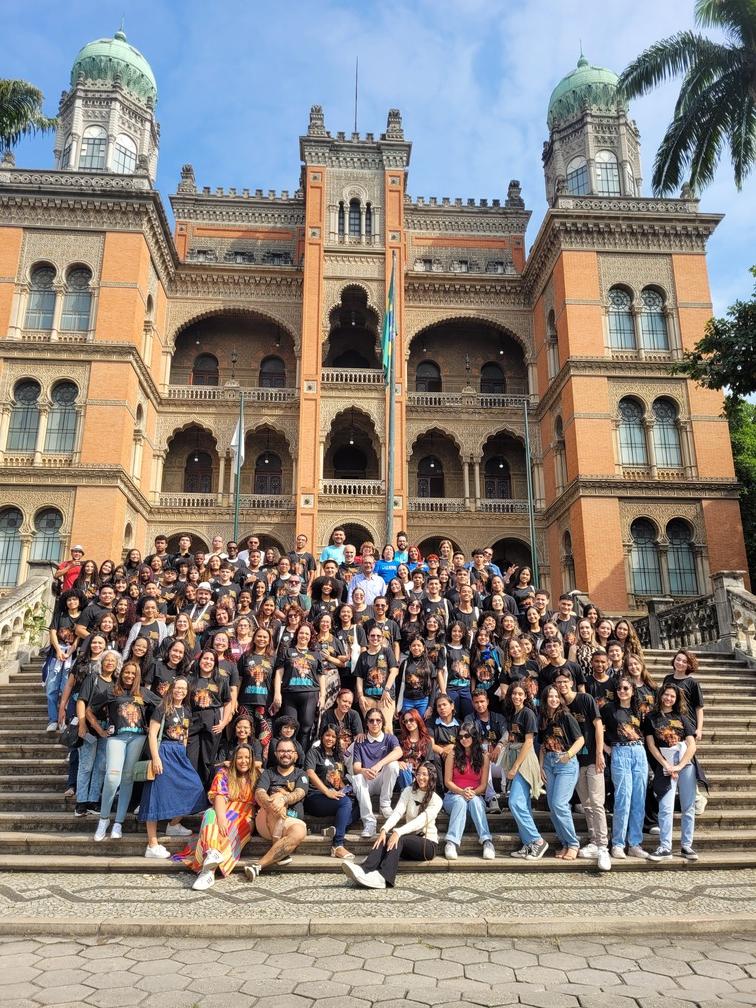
(283, 898)
(353, 972)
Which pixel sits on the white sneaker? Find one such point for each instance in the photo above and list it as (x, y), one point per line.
(386, 811)
(157, 851)
(654, 831)
(102, 830)
(353, 871)
(372, 880)
(488, 851)
(251, 872)
(636, 851)
(603, 861)
(492, 805)
(212, 858)
(369, 829)
(618, 852)
(450, 851)
(53, 726)
(177, 830)
(589, 851)
(205, 880)
(117, 832)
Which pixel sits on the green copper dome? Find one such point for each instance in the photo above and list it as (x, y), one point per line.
(586, 86)
(110, 58)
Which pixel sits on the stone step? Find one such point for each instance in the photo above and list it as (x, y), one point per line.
(133, 844)
(13, 786)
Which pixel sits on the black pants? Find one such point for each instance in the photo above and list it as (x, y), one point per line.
(202, 746)
(410, 848)
(304, 707)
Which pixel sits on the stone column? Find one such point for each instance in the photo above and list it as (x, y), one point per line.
(60, 294)
(532, 380)
(688, 452)
(664, 568)
(617, 452)
(362, 223)
(637, 311)
(466, 481)
(376, 224)
(5, 414)
(23, 563)
(476, 476)
(158, 459)
(221, 478)
(722, 581)
(41, 435)
(648, 426)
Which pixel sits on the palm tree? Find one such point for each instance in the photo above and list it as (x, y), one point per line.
(21, 113)
(717, 101)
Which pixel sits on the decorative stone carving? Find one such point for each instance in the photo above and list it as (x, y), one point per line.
(661, 513)
(286, 314)
(647, 390)
(62, 249)
(29, 502)
(637, 272)
(316, 125)
(373, 407)
(45, 374)
(188, 183)
(516, 325)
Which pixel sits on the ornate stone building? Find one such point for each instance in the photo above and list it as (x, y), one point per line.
(126, 347)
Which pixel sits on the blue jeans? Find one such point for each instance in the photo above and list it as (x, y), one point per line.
(462, 700)
(458, 809)
(91, 772)
(522, 812)
(630, 779)
(405, 778)
(122, 752)
(561, 779)
(341, 809)
(421, 705)
(56, 680)
(685, 786)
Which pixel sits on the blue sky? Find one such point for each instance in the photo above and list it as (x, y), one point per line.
(471, 77)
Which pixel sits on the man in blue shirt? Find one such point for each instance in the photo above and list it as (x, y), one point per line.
(376, 768)
(335, 551)
(402, 543)
(371, 583)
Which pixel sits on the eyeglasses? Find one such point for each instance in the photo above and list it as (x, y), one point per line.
(622, 689)
(464, 735)
(375, 720)
(409, 721)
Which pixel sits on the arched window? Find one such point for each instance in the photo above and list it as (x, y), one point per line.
(369, 221)
(46, 544)
(205, 370)
(498, 479)
(354, 218)
(65, 160)
(644, 558)
(124, 155)
(428, 377)
(198, 473)
(268, 474)
(430, 477)
(77, 303)
(654, 334)
(621, 329)
(568, 562)
(607, 174)
(10, 545)
(272, 373)
(41, 308)
(492, 381)
(552, 345)
(632, 434)
(578, 183)
(666, 435)
(93, 148)
(680, 559)
(61, 421)
(349, 462)
(24, 418)
(342, 224)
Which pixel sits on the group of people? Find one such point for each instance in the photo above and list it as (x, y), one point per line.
(267, 690)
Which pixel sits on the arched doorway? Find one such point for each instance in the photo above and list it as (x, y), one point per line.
(198, 543)
(268, 477)
(198, 473)
(356, 534)
(353, 332)
(498, 479)
(511, 551)
(430, 477)
(432, 544)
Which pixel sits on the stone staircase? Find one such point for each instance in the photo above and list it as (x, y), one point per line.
(38, 831)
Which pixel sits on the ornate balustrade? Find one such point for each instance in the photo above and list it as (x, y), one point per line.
(502, 506)
(217, 393)
(463, 399)
(46, 461)
(352, 488)
(265, 502)
(24, 614)
(187, 500)
(437, 505)
(352, 376)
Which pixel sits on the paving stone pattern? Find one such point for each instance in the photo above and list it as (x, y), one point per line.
(346, 971)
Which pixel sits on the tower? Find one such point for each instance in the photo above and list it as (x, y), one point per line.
(593, 147)
(107, 118)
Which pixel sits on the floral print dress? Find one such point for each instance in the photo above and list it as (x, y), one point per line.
(240, 818)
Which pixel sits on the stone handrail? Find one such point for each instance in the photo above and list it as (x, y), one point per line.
(476, 400)
(437, 505)
(352, 376)
(266, 502)
(24, 614)
(216, 393)
(352, 488)
(502, 506)
(187, 500)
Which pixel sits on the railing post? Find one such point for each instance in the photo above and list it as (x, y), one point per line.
(721, 581)
(655, 607)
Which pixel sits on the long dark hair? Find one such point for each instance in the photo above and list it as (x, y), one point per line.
(680, 705)
(507, 706)
(634, 699)
(431, 789)
(547, 717)
(476, 751)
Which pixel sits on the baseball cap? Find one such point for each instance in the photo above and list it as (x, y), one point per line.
(206, 585)
(79, 548)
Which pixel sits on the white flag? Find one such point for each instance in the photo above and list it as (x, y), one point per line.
(237, 445)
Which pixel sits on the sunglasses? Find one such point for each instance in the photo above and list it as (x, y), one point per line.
(623, 689)
(375, 720)
(464, 735)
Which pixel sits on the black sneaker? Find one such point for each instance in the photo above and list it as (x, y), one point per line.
(251, 872)
(536, 850)
(688, 853)
(285, 860)
(661, 854)
(80, 809)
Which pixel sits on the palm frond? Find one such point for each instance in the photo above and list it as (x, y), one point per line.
(736, 17)
(669, 58)
(21, 112)
(701, 76)
(743, 141)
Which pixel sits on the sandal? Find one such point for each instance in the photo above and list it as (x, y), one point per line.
(342, 853)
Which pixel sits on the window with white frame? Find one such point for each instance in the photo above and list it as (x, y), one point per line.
(578, 182)
(77, 303)
(653, 320)
(61, 420)
(645, 569)
(632, 434)
(40, 310)
(10, 545)
(24, 417)
(621, 328)
(681, 560)
(94, 145)
(666, 434)
(124, 155)
(46, 543)
(607, 174)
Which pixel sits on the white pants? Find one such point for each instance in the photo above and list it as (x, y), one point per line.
(382, 785)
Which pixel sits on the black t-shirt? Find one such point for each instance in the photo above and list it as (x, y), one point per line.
(548, 674)
(397, 608)
(271, 781)
(256, 678)
(94, 692)
(159, 677)
(522, 724)
(602, 692)
(490, 731)
(458, 667)
(690, 689)
(330, 769)
(373, 670)
(301, 671)
(303, 563)
(585, 711)
(209, 693)
(418, 677)
(228, 745)
(126, 713)
(176, 727)
(621, 725)
(445, 734)
(560, 733)
(151, 631)
(668, 730)
(438, 607)
(91, 614)
(327, 649)
(64, 625)
(646, 698)
(352, 721)
(389, 628)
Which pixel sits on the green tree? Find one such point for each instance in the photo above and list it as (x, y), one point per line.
(717, 100)
(741, 416)
(21, 113)
(725, 356)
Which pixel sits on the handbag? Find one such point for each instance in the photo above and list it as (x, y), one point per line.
(143, 768)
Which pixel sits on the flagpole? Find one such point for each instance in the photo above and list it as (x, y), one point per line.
(391, 419)
(239, 444)
(531, 510)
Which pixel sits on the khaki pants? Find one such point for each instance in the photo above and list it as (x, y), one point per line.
(590, 789)
(385, 705)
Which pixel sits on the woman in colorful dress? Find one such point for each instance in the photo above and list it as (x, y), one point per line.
(228, 824)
